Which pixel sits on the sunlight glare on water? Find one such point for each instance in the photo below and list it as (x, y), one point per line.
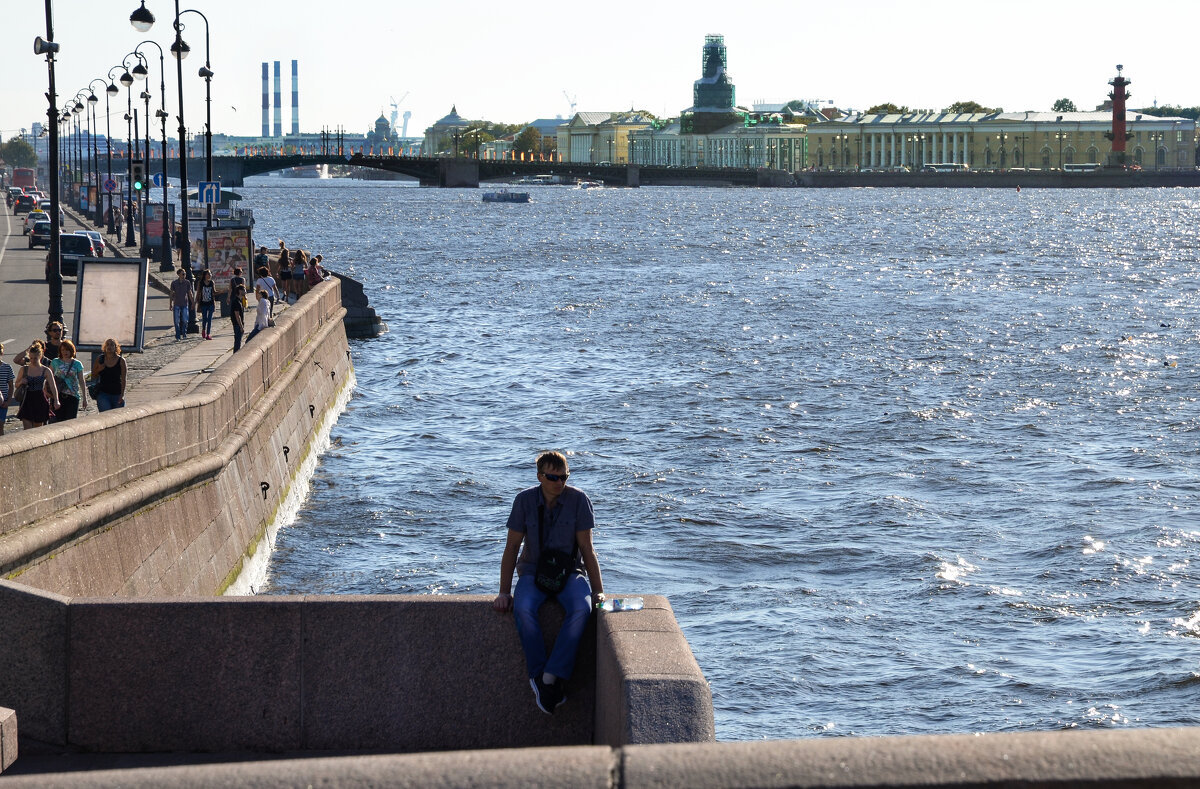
(904, 461)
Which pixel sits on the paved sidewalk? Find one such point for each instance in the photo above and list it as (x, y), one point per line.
(165, 368)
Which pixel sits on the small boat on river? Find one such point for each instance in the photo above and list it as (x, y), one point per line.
(505, 196)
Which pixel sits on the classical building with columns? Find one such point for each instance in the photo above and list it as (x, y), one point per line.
(996, 141)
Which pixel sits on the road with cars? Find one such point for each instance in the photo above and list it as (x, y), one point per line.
(25, 295)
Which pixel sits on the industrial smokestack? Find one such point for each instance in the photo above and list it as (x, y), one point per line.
(278, 105)
(295, 99)
(266, 123)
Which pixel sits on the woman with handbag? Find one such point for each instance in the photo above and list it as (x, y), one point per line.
(555, 522)
(108, 377)
(68, 377)
(206, 302)
(35, 386)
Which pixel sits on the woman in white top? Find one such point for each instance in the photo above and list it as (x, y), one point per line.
(263, 319)
(266, 282)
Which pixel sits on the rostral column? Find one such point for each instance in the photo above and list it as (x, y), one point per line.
(1118, 135)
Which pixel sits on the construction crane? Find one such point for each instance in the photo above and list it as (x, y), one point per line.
(396, 113)
(570, 100)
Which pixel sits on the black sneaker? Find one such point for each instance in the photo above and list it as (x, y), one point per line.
(560, 693)
(543, 694)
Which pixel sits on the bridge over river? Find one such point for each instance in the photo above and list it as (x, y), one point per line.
(457, 172)
(462, 172)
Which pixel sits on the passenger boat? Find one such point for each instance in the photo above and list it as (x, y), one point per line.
(505, 196)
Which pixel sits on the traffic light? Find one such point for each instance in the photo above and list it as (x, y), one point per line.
(139, 175)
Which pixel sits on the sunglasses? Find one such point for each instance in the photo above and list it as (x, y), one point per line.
(555, 477)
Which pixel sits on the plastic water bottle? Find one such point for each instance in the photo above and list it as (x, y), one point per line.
(622, 604)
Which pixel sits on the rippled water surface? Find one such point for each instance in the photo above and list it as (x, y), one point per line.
(904, 461)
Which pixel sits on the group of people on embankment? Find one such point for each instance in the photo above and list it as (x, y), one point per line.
(49, 385)
(282, 278)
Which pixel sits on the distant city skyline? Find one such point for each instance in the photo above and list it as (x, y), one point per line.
(516, 67)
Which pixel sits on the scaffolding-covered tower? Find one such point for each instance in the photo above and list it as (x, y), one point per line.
(712, 94)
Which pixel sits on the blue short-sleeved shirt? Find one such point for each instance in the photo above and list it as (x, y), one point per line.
(572, 513)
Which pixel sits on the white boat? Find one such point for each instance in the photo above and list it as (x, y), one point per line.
(589, 185)
(505, 196)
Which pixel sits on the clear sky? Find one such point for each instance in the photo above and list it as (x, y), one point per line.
(511, 66)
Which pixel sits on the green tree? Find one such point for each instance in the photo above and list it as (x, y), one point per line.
(1171, 111)
(887, 109)
(1064, 105)
(529, 140)
(18, 153)
(970, 107)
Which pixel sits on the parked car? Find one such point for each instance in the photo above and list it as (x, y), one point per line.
(23, 204)
(40, 234)
(32, 218)
(71, 249)
(97, 240)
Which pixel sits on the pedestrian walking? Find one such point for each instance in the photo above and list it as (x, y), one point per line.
(206, 302)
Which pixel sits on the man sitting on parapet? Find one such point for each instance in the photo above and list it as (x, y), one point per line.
(554, 521)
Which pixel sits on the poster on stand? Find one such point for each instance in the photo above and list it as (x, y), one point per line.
(227, 247)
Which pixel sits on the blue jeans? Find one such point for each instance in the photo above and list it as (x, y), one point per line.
(181, 322)
(206, 315)
(105, 401)
(576, 598)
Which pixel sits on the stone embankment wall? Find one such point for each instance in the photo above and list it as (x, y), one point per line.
(166, 499)
(1009, 179)
(118, 529)
(1146, 759)
(330, 673)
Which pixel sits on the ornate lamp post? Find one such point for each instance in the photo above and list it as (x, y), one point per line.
(97, 209)
(84, 146)
(110, 91)
(206, 73)
(1157, 139)
(143, 196)
(142, 20)
(1060, 136)
(166, 263)
(127, 80)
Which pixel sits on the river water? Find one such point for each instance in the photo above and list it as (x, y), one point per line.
(904, 461)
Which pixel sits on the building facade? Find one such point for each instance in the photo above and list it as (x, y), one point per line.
(771, 143)
(442, 138)
(596, 137)
(996, 141)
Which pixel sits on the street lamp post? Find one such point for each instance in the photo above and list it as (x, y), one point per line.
(48, 47)
(207, 74)
(166, 263)
(85, 162)
(127, 81)
(144, 195)
(97, 209)
(110, 91)
(142, 20)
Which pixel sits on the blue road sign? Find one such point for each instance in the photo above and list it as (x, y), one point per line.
(209, 193)
(156, 179)
(110, 185)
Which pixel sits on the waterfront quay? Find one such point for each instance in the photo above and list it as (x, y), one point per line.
(164, 683)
